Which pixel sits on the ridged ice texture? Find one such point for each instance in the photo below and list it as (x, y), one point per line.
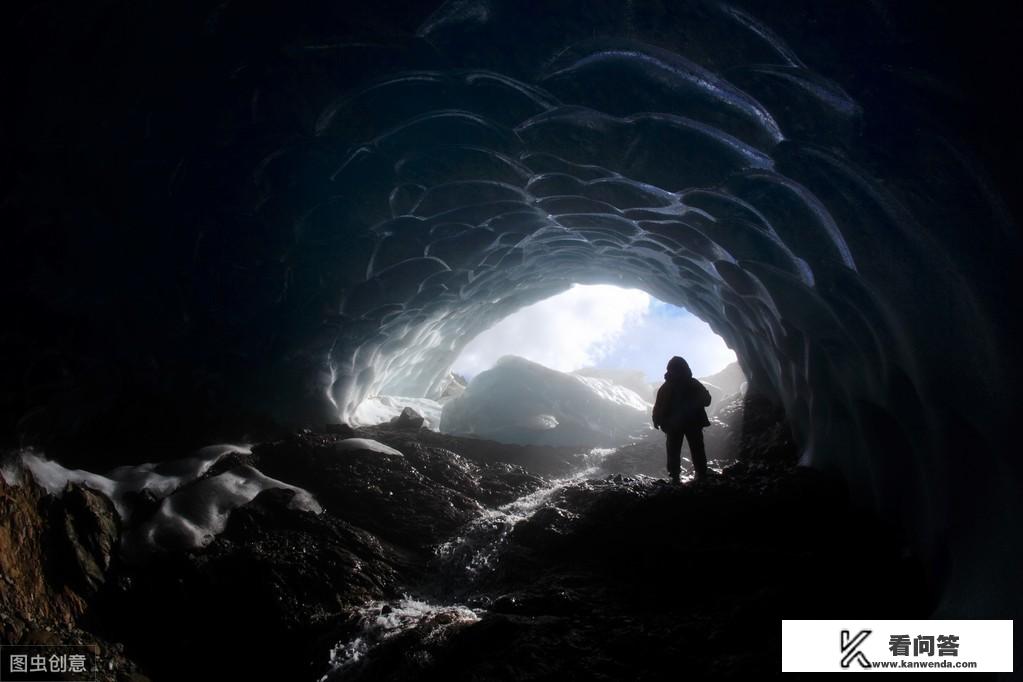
(474, 193)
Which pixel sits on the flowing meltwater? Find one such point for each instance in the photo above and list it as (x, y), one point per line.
(380, 621)
(461, 561)
(468, 556)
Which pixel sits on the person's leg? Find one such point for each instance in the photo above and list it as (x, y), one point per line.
(697, 451)
(673, 444)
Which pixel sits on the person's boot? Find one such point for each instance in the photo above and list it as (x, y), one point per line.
(673, 477)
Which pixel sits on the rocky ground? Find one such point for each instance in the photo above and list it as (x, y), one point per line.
(467, 560)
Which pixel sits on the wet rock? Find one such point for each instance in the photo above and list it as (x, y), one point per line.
(141, 504)
(343, 430)
(34, 578)
(381, 492)
(231, 460)
(489, 484)
(765, 432)
(13, 628)
(310, 559)
(542, 460)
(540, 600)
(55, 555)
(408, 419)
(619, 577)
(545, 528)
(625, 578)
(91, 530)
(502, 483)
(41, 638)
(276, 579)
(415, 497)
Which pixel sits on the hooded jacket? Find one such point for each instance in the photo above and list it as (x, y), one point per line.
(681, 400)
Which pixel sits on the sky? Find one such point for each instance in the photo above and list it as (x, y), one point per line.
(600, 326)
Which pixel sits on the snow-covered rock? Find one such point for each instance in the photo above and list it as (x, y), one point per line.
(196, 514)
(158, 479)
(191, 510)
(518, 401)
(354, 444)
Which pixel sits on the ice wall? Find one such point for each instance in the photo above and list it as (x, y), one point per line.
(277, 209)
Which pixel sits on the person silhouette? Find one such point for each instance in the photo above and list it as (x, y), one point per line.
(680, 411)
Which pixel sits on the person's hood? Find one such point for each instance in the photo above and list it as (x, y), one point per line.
(678, 368)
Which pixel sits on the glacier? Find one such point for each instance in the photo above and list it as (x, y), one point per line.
(520, 401)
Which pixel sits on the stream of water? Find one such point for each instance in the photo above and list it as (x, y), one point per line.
(465, 559)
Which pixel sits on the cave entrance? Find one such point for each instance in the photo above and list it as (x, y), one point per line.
(610, 343)
(600, 326)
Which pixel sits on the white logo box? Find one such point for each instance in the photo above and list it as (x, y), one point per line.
(842, 646)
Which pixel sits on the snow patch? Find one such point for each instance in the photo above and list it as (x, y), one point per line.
(349, 444)
(195, 515)
(158, 478)
(191, 511)
(11, 472)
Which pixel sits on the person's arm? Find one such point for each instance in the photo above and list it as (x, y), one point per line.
(659, 405)
(705, 397)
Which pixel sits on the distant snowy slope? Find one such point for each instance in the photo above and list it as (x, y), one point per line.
(723, 385)
(729, 380)
(633, 379)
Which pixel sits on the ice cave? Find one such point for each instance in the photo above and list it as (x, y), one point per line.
(233, 223)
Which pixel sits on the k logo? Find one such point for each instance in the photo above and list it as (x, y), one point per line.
(850, 648)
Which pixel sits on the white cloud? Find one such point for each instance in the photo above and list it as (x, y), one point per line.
(666, 331)
(602, 326)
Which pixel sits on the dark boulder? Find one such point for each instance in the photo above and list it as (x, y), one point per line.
(373, 487)
(275, 580)
(90, 530)
(408, 419)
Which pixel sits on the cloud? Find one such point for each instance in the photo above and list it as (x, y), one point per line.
(602, 326)
(663, 332)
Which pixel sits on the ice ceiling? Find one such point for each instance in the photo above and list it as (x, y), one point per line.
(287, 210)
